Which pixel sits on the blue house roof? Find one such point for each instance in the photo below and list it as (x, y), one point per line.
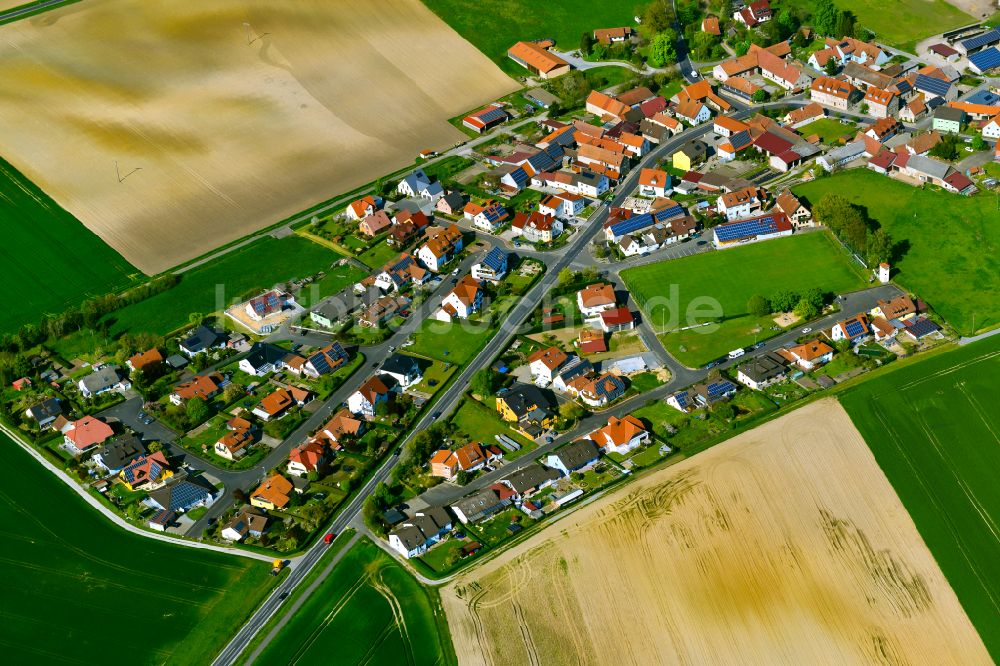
(932, 85)
(985, 60)
(496, 259)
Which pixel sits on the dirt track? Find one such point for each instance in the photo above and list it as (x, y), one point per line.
(784, 545)
(225, 117)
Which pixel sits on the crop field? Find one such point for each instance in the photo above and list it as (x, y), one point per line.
(729, 278)
(935, 431)
(51, 261)
(368, 611)
(252, 112)
(785, 544)
(235, 275)
(952, 258)
(78, 589)
(497, 24)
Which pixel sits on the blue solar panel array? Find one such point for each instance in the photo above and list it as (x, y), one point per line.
(854, 328)
(717, 390)
(932, 85)
(986, 59)
(494, 213)
(185, 495)
(983, 97)
(740, 139)
(519, 176)
(668, 213)
(493, 115)
(973, 43)
(634, 223)
(746, 229)
(496, 259)
(922, 327)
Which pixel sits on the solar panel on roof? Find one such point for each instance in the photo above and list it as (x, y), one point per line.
(854, 328)
(922, 327)
(668, 213)
(634, 223)
(932, 85)
(492, 115)
(990, 37)
(747, 228)
(320, 363)
(184, 495)
(986, 59)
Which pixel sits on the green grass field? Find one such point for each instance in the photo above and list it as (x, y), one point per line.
(730, 278)
(50, 259)
(452, 342)
(901, 23)
(237, 274)
(481, 423)
(935, 431)
(495, 25)
(954, 242)
(829, 130)
(78, 589)
(368, 611)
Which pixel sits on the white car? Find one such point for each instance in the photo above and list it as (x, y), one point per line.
(736, 353)
(806, 330)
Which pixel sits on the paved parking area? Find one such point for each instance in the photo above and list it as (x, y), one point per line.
(128, 413)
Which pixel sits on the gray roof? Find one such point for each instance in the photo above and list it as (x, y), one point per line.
(531, 477)
(180, 495)
(522, 398)
(765, 367)
(121, 450)
(541, 95)
(949, 113)
(102, 379)
(176, 361)
(424, 525)
(852, 149)
(576, 455)
(480, 504)
(928, 166)
(45, 410)
(400, 364)
(454, 199)
(201, 338)
(263, 353)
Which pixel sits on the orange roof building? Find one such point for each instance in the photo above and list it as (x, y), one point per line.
(145, 360)
(274, 493)
(87, 432)
(620, 435)
(595, 299)
(538, 60)
(305, 458)
(202, 386)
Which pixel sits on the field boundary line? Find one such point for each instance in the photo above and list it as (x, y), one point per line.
(116, 519)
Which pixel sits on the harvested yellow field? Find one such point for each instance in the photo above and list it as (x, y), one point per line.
(785, 545)
(169, 128)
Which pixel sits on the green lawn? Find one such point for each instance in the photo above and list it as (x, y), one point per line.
(350, 618)
(378, 255)
(435, 375)
(829, 130)
(608, 76)
(335, 280)
(904, 22)
(50, 259)
(728, 278)
(495, 25)
(454, 342)
(935, 432)
(69, 568)
(954, 242)
(236, 275)
(482, 423)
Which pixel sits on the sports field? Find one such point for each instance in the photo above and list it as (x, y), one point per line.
(368, 611)
(669, 292)
(231, 116)
(235, 275)
(783, 545)
(496, 25)
(952, 260)
(934, 428)
(77, 589)
(51, 261)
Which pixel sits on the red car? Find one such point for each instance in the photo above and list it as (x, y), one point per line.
(328, 539)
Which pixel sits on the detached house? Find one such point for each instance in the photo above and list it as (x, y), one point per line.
(832, 92)
(370, 394)
(564, 205)
(603, 390)
(654, 183)
(465, 299)
(275, 405)
(493, 267)
(419, 184)
(262, 359)
(595, 299)
(374, 224)
(145, 361)
(202, 339)
(621, 435)
(146, 472)
(404, 369)
(754, 13)
(854, 329)
(240, 435)
(415, 535)
(343, 424)
(305, 458)
(88, 432)
(537, 227)
(273, 494)
(108, 378)
(362, 208)
(446, 464)
(489, 217)
(794, 210)
(762, 371)
(881, 103)
(202, 386)
(528, 408)
(545, 363)
(442, 244)
(810, 355)
(573, 457)
(740, 203)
